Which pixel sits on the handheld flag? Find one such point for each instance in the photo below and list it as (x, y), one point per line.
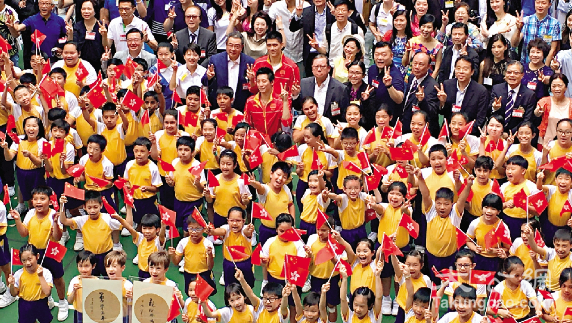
(411, 226)
(108, 208)
(258, 212)
(72, 191)
(167, 216)
(55, 251)
(203, 290)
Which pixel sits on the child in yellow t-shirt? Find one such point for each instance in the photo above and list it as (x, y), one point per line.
(226, 114)
(133, 130)
(192, 308)
(521, 248)
(561, 301)
(481, 187)
(32, 284)
(558, 148)
(418, 303)
(411, 267)
(236, 311)
(85, 264)
(558, 257)
(114, 266)
(96, 165)
(313, 309)
(155, 105)
(557, 195)
(312, 200)
(207, 147)
(492, 143)
(363, 308)
(464, 263)
(274, 298)
(192, 111)
(57, 164)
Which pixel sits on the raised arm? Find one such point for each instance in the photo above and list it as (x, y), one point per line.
(465, 195)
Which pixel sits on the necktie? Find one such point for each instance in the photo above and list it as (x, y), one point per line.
(508, 109)
(193, 37)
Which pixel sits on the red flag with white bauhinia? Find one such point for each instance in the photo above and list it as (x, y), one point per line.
(411, 226)
(173, 232)
(99, 181)
(294, 273)
(197, 169)
(316, 164)
(197, 216)
(400, 170)
(545, 294)
(336, 246)
(388, 248)
(255, 159)
(72, 191)
(55, 251)
(245, 179)
(370, 137)
(152, 80)
(534, 319)
(346, 265)
(444, 133)
(503, 234)
(54, 201)
(566, 208)
(495, 189)
(81, 73)
(75, 170)
(108, 208)
(38, 38)
(386, 132)
(461, 238)
(453, 162)
(538, 200)
(145, 117)
(433, 291)
(16, 258)
(370, 215)
(128, 196)
(290, 152)
(494, 301)
(211, 179)
(364, 163)
(255, 258)
(482, 277)
(120, 182)
(132, 101)
(321, 219)
(167, 216)
(538, 239)
(397, 130)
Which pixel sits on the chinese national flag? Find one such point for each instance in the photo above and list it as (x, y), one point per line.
(120, 182)
(255, 159)
(290, 152)
(482, 277)
(203, 290)
(397, 130)
(145, 117)
(245, 179)
(389, 248)
(81, 72)
(466, 129)
(238, 252)
(132, 101)
(38, 38)
(167, 216)
(491, 239)
(4, 45)
(290, 235)
(495, 188)
(255, 258)
(236, 120)
(407, 144)
(176, 97)
(372, 181)
(16, 258)
(538, 200)
(161, 65)
(425, 136)
(324, 255)
(175, 309)
(461, 238)
(55, 251)
(49, 87)
(258, 212)
(386, 132)
(47, 149)
(462, 188)
(129, 196)
(11, 124)
(534, 319)
(168, 167)
(221, 116)
(197, 216)
(444, 133)
(316, 165)
(108, 208)
(545, 294)
(520, 200)
(76, 170)
(351, 167)
(568, 311)
(58, 147)
(370, 137)
(197, 169)
(509, 319)
(411, 226)
(566, 208)
(130, 67)
(400, 154)
(212, 180)
(96, 98)
(294, 274)
(54, 201)
(364, 163)
(6, 195)
(99, 181)
(321, 219)
(220, 132)
(204, 99)
(346, 265)
(494, 301)
(47, 68)
(191, 119)
(14, 137)
(252, 141)
(72, 191)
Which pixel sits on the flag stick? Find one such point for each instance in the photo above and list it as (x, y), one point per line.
(231, 257)
(393, 130)
(333, 270)
(48, 241)
(11, 260)
(527, 220)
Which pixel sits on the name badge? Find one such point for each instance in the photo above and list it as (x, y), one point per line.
(547, 38)
(203, 53)
(63, 40)
(518, 113)
(335, 108)
(488, 81)
(456, 108)
(449, 4)
(383, 21)
(184, 77)
(531, 85)
(123, 37)
(375, 83)
(167, 6)
(90, 35)
(245, 87)
(415, 108)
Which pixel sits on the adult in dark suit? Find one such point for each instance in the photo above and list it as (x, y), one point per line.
(420, 94)
(194, 33)
(462, 94)
(333, 105)
(514, 101)
(222, 62)
(306, 20)
(459, 35)
(387, 79)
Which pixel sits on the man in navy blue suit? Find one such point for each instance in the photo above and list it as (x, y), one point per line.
(230, 70)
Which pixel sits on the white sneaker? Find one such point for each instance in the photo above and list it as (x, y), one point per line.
(65, 237)
(51, 302)
(216, 242)
(395, 308)
(221, 280)
(125, 232)
(11, 190)
(307, 286)
(182, 266)
(2, 287)
(136, 260)
(264, 282)
(372, 236)
(78, 245)
(123, 210)
(63, 310)
(117, 246)
(7, 299)
(386, 306)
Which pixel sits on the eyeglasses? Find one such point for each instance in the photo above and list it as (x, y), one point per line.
(463, 265)
(134, 40)
(124, 9)
(269, 299)
(317, 67)
(192, 16)
(512, 72)
(195, 229)
(562, 132)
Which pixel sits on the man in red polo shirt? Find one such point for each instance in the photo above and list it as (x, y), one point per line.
(266, 111)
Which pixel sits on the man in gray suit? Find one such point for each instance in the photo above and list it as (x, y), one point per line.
(203, 37)
(135, 49)
(329, 93)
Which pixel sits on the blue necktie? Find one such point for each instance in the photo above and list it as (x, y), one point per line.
(508, 109)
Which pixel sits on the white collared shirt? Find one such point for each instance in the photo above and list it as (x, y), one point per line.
(186, 79)
(196, 34)
(336, 46)
(117, 31)
(419, 81)
(516, 89)
(461, 94)
(456, 53)
(320, 94)
(233, 68)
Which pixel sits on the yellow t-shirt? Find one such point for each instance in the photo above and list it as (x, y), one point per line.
(533, 157)
(143, 175)
(230, 315)
(84, 129)
(479, 193)
(555, 267)
(204, 150)
(442, 231)
(558, 306)
(477, 231)
(78, 299)
(322, 270)
(520, 250)
(275, 203)
(307, 156)
(39, 230)
(421, 281)
(236, 239)
(133, 130)
(115, 150)
(69, 152)
(192, 130)
(556, 201)
(71, 79)
(227, 195)
(185, 190)
(225, 124)
(29, 285)
(167, 146)
(389, 223)
(516, 301)
(362, 276)
(509, 190)
(555, 151)
(96, 233)
(381, 159)
(352, 213)
(33, 147)
(33, 112)
(276, 249)
(311, 204)
(495, 155)
(101, 169)
(195, 254)
(342, 171)
(145, 248)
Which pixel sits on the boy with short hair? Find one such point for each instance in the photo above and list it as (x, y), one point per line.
(23, 106)
(155, 105)
(133, 130)
(275, 197)
(465, 298)
(96, 227)
(198, 253)
(114, 266)
(72, 137)
(84, 129)
(350, 144)
(266, 309)
(193, 106)
(481, 187)
(417, 303)
(158, 266)
(225, 114)
(58, 164)
(558, 257)
(556, 195)
(516, 167)
(85, 264)
(40, 225)
(69, 101)
(149, 240)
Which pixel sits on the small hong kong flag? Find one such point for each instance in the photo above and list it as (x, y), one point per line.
(81, 72)
(316, 164)
(411, 226)
(324, 255)
(566, 208)
(167, 216)
(296, 275)
(370, 215)
(197, 169)
(321, 219)
(255, 159)
(397, 130)
(76, 170)
(259, 212)
(545, 294)
(482, 277)
(386, 132)
(444, 133)
(6, 195)
(128, 196)
(351, 166)
(400, 170)
(108, 208)
(55, 251)
(494, 301)
(388, 248)
(54, 201)
(344, 264)
(132, 101)
(16, 258)
(99, 181)
(538, 200)
(370, 137)
(175, 309)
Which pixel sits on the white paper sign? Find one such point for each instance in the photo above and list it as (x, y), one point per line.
(151, 302)
(102, 301)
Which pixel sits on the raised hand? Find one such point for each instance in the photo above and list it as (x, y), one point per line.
(541, 77)
(445, 17)
(106, 55)
(313, 41)
(420, 94)
(171, 14)
(463, 51)
(497, 104)
(519, 22)
(441, 95)
(295, 90)
(299, 8)
(284, 93)
(554, 64)
(365, 94)
(174, 41)
(250, 72)
(387, 79)
(210, 72)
